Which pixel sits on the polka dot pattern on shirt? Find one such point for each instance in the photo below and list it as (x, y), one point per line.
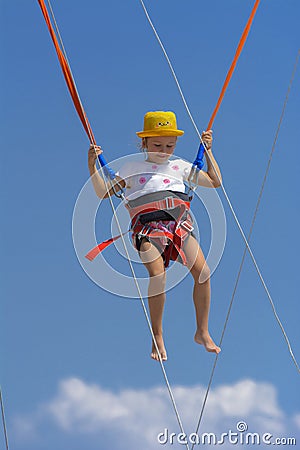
(144, 177)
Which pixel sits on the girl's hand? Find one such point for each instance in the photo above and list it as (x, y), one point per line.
(93, 153)
(207, 139)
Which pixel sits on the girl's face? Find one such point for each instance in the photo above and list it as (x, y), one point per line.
(160, 148)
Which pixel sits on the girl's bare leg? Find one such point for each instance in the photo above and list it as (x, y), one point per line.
(153, 261)
(201, 294)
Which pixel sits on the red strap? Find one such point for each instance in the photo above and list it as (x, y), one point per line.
(176, 239)
(234, 62)
(100, 247)
(68, 76)
(156, 206)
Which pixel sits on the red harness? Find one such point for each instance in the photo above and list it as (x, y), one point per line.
(183, 227)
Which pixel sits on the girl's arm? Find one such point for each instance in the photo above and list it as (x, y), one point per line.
(98, 182)
(212, 177)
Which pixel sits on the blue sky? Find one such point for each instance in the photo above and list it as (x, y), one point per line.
(75, 366)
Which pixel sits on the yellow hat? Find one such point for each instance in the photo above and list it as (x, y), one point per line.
(160, 123)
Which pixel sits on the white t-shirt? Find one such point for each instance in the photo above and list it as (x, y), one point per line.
(143, 177)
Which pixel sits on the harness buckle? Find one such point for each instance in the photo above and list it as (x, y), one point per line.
(144, 231)
(170, 204)
(187, 226)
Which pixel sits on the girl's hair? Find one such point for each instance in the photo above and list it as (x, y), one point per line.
(143, 144)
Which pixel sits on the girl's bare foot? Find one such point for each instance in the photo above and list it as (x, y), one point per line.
(161, 348)
(206, 340)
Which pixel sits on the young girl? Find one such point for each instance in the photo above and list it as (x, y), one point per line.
(161, 223)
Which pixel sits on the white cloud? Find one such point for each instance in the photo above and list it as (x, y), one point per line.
(297, 420)
(139, 415)
(85, 407)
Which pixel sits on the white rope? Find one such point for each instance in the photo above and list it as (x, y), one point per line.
(249, 236)
(223, 189)
(172, 70)
(107, 187)
(60, 38)
(3, 420)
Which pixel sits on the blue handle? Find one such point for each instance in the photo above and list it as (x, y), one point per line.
(106, 169)
(199, 163)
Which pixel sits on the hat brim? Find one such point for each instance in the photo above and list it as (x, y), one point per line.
(161, 132)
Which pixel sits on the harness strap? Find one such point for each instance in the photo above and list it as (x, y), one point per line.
(166, 204)
(182, 230)
(91, 255)
(173, 248)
